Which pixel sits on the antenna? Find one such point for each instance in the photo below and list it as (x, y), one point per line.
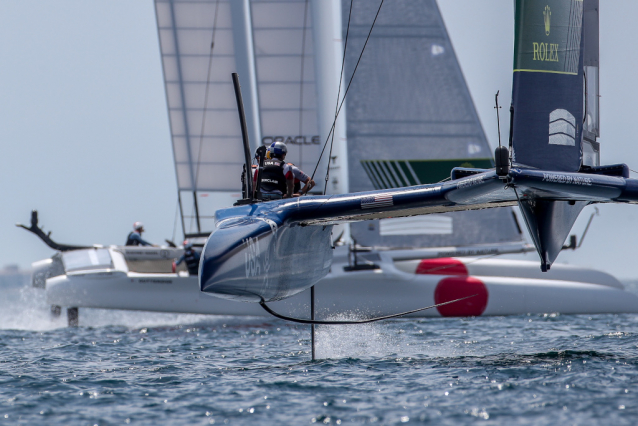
(498, 120)
(501, 154)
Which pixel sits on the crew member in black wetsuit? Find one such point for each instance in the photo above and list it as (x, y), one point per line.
(274, 183)
(135, 237)
(191, 257)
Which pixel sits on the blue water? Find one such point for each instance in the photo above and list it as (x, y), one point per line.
(140, 368)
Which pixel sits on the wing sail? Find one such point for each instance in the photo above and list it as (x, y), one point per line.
(547, 92)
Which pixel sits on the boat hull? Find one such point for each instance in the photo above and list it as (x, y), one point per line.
(251, 259)
(392, 287)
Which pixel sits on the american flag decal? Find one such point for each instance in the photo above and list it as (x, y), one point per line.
(383, 200)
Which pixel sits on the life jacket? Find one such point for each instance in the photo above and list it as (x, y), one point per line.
(130, 241)
(191, 257)
(272, 176)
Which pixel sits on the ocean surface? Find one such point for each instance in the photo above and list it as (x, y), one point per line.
(139, 368)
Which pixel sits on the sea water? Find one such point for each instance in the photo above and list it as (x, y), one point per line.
(138, 368)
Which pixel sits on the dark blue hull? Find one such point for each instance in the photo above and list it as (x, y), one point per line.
(256, 258)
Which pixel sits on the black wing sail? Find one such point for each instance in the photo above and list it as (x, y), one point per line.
(547, 91)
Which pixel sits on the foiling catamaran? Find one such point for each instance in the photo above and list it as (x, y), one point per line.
(409, 120)
(262, 252)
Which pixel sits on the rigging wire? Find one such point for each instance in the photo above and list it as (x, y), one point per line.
(303, 57)
(349, 322)
(343, 62)
(201, 135)
(175, 221)
(348, 88)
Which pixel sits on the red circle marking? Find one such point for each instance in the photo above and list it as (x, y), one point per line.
(442, 266)
(452, 288)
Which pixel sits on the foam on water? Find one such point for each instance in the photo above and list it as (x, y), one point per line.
(396, 338)
(26, 308)
(355, 341)
(136, 319)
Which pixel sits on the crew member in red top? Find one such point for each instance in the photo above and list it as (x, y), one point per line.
(299, 177)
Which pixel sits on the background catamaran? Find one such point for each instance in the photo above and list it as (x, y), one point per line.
(409, 119)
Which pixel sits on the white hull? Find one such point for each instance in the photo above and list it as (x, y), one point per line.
(506, 287)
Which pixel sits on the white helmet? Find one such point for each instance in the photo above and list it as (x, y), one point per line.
(278, 149)
(138, 226)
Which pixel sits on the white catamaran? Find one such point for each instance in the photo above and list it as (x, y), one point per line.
(409, 120)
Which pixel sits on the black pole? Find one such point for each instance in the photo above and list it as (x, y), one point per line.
(312, 317)
(244, 134)
(498, 120)
(199, 228)
(511, 125)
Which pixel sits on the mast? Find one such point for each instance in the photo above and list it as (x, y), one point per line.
(245, 66)
(328, 47)
(328, 44)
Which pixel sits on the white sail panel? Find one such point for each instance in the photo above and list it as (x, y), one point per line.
(205, 126)
(284, 61)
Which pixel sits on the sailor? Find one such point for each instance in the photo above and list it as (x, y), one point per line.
(299, 177)
(135, 237)
(274, 182)
(191, 257)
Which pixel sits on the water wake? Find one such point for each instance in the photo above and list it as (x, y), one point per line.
(26, 308)
(354, 341)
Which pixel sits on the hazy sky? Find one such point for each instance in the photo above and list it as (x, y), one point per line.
(85, 136)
